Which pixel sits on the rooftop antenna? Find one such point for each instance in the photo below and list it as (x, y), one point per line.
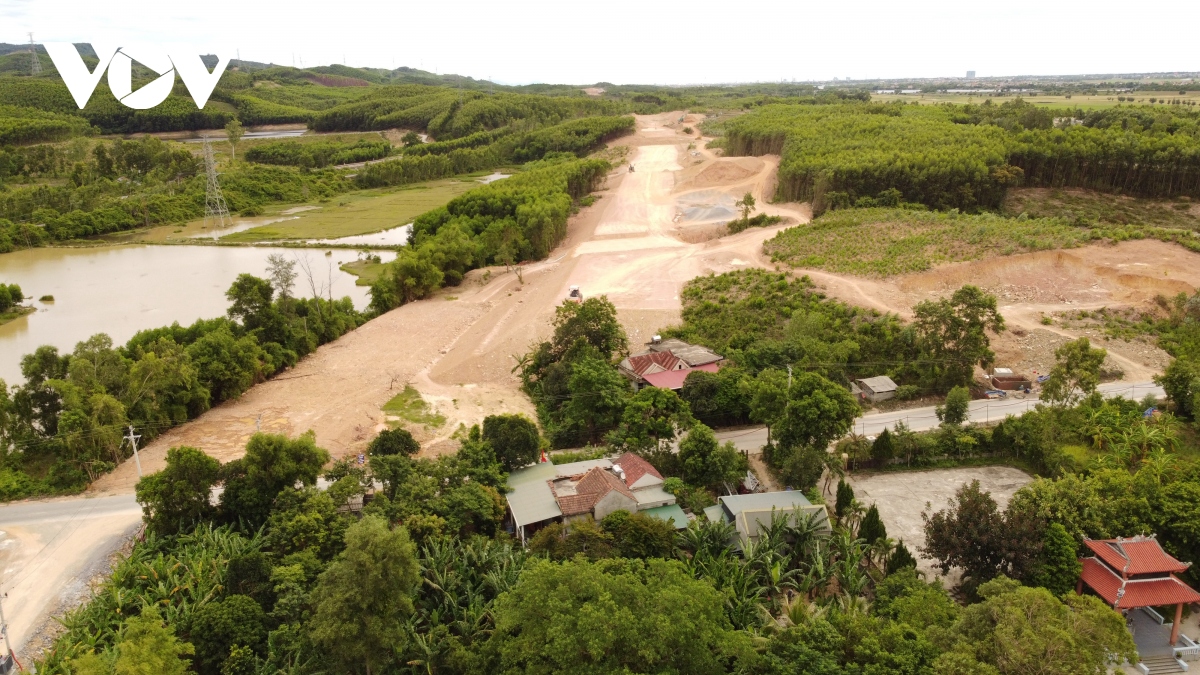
(216, 213)
(36, 63)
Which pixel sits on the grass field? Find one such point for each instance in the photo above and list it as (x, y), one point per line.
(1074, 101)
(367, 271)
(360, 212)
(886, 242)
(409, 405)
(1101, 207)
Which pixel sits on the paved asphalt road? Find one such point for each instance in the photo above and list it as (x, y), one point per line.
(922, 419)
(49, 549)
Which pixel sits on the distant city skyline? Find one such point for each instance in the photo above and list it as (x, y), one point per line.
(627, 42)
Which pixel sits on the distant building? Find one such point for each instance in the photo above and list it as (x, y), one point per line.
(750, 514)
(970, 74)
(547, 493)
(876, 389)
(667, 363)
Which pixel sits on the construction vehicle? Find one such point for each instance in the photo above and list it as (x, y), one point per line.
(574, 295)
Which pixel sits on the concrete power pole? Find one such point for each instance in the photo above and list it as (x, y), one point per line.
(216, 213)
(35, 64)
(133, 440)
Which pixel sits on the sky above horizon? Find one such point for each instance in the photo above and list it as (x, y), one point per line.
(631, 42)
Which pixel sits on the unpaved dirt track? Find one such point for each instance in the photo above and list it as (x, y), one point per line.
(458, 348)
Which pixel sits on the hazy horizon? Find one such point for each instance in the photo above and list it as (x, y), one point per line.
(540, 42)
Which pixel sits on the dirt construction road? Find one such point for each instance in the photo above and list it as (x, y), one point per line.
(648, 233)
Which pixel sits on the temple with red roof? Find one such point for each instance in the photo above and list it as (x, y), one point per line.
(1136, 572)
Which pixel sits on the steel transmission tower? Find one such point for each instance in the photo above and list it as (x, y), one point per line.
(35, 63)
(216, 213)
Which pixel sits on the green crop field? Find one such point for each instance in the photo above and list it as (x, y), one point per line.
(360, 213)
(886, 242)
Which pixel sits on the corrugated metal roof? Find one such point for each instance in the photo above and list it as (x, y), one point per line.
(878, 384)
(670, 513)
(715, 514)
(653, 494)
(530, 498)
(578, 468)
(1137, 592)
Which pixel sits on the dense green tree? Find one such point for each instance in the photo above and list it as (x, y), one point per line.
(146, 648)
(900, 559)
(701, 391)
(1076, 373)
(614, 616)
(1181, 382)
(559, 541)
(594, 321)
(844, 498)
(707, 463)
(652, 420)
(305, 521)
(768, 396)
(391, 442)
(973, 534)
(1058, 567)
(957, 408)
(1019, 629)
(514, 438)
(953, 334)
(598, 397)
(818, 412)
(637, 535)
(178, 497)
(883, 449)
(272, 463)
(217, 626)
(872, 529)
(362, 599)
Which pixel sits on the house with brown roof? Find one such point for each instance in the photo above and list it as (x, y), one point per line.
(666, 363)
(545, 493)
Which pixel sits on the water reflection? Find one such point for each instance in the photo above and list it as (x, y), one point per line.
(120, 290)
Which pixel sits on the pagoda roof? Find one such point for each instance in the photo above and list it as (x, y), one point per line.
(1131, 593)
(1135, 556)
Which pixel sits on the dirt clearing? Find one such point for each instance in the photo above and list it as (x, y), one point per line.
(902, 496)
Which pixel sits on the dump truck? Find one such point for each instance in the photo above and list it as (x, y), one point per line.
(574, 295)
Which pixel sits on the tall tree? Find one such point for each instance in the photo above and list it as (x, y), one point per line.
(1076, 373)
(514, 438)
(272, 463)
(1059, 567)
(177, 498)
(957, 408)
(362, 599)
(615, 616)
(234, 132)
(652, 420)
(708, 464)
(872, 529)
(953, 334)
(972, 533)
(768, 396)
(818, 412)
(598, 395)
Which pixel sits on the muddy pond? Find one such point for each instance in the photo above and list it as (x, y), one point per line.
(120, 290)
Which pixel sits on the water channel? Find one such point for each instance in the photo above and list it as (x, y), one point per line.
(120, 290)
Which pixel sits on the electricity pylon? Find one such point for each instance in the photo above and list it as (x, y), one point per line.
(35, 63)
(216, 213)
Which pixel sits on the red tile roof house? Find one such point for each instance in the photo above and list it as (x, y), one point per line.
(667, 363)
(1136, 573)
(546, 493)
